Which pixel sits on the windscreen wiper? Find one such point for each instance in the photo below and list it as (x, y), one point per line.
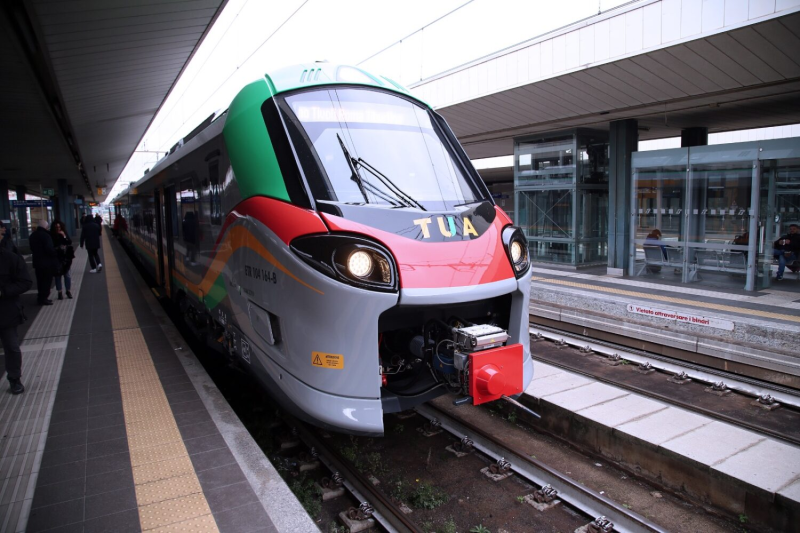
(350, 162)
(390, 185)
(363, 185)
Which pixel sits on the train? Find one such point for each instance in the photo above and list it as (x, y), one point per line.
(328, 233)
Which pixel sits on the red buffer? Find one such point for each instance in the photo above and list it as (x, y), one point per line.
(495, 373)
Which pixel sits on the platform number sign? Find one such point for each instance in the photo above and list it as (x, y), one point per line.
(246, 351)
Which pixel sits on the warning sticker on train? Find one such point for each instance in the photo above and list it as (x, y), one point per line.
(327, 360)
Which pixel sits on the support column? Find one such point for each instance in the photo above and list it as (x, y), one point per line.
(694, 137)
(5, 203)
(623, 141)
(22, 213)
(65, 209)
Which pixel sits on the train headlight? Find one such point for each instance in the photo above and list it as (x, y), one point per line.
(516, 252)
(359, 264)
(351, 259)
(517, 249)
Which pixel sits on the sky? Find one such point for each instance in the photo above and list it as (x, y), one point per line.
(407, 41)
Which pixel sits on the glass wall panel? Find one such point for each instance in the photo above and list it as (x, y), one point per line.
(592, 159)
(658, 196)
(546, 161)
(545, 213)
(561, 196)
(593, 214)
(779, 207)
(720, 210)
(592, 226)
(552, 252)
(657, 215)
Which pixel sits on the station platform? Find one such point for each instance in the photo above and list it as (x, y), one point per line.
(121, 429)
(723, 327)
(716, 464)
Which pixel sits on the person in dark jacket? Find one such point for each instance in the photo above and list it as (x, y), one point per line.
(65, 253)
(787, 250)
(6, 242)
(90, 236)
(45, 261)
(14, 281)
(99, 221)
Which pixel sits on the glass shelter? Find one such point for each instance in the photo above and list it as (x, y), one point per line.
(713, 212)
(561, 196)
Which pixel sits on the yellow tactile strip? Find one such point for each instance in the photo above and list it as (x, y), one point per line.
(670, 299)
(168, 492)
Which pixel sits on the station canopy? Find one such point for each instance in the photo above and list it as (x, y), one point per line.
(651, 60)
(82, 81)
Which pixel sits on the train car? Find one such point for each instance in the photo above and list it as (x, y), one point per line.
(328, 232)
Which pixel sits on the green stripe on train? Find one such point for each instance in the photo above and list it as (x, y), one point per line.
(249, 147)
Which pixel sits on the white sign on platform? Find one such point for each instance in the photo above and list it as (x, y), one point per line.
(666, 314)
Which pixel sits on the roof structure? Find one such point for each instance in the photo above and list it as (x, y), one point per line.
(725, 65)
(83, 79)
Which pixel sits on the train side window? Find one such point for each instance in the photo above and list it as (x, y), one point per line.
(214, 193)
(190, 219)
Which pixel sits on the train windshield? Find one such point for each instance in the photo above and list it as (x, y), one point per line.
(360, 146)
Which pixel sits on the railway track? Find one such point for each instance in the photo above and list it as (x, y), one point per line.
(602, 514)
(609, 515)
(737, 409)
(380, 507)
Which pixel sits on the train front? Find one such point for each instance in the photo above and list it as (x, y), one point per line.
(432, 279)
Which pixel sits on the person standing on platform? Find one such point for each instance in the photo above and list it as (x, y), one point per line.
(99, 221)
(65, 253)
(14, 281)
(90, 236)
(787, 250)
(45, 261)
(6, 242)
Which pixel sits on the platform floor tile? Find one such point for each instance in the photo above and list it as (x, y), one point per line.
(152, 432)
(555, 383)
(24, 419)
(665, 425)
(588, 396)
(542, 370)
(713, 443)
(623, 410)
(770, 465)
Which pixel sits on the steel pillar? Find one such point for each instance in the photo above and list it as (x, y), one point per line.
(623, 141)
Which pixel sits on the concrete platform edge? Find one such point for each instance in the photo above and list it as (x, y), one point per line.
(751, 337)
(705, 485)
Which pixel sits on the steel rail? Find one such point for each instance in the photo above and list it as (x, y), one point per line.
(589, 501)
(387, 514)
(748, 386)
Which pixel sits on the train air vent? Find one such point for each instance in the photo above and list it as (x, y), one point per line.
(310, 75)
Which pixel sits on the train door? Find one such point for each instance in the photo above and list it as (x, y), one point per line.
(170, 230)
(160, 280)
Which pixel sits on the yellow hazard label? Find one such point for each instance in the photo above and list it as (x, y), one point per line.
(327, 360)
